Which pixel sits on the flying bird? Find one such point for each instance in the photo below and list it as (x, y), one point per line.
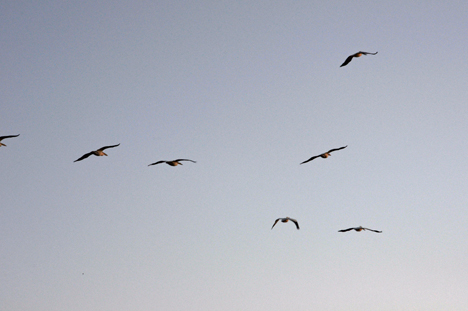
(324, 155)
(358, 54)
(9, 136)
(286, 220)
(99, 152)
(359, 229)
(172, 163)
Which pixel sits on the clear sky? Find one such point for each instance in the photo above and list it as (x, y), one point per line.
(248, 89)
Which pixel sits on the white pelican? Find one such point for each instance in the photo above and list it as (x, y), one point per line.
(324, 155)
(358, 54)
(9, 136)
(172, 163)
(286, 220)
(99, 152)
(359, 229)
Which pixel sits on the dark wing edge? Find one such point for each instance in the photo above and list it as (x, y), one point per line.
(365, 53)
(156, 163)
(184, 160)
(84, 156)
(295, 222)
(275, 222)
(104, 148)
(314, 157)
(345, 230)
(346, 62)
(373, 230)
(336, 149)
(8, 136)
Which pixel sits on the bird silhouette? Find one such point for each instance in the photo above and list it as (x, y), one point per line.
(286, 220)
(99, 152)
(172, 163)
(324, 155)
(358, 54)
(359, 229)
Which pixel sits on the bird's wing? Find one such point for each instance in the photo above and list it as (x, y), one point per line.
(157, 163)
(8, 136)
(275, 222)
(346, 62)
(295, 221)
(84, 156)
(373, 230)
(337, 149)
(365, 53)
(345, 230)
(314, 157)
(184, 160)
(104, 148)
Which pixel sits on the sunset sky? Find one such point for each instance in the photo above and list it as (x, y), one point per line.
(248, 90)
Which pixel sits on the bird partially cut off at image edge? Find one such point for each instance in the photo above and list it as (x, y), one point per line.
(359, 229)
(172, 163)
(4, 137)
(99, 152)
(324, 155)
(286, 220)
(358, 54)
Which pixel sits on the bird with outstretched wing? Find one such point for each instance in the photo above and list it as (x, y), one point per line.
(172, 163)
(286, 219)
(359, 229)
(358, 54)
(99, 152)
(324, 155)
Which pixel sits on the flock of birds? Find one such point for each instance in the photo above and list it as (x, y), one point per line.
(100, 152)
(327, 154)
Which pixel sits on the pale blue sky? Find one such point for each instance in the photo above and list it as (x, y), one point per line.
(248, 90)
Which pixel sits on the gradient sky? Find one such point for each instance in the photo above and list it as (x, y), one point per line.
(248, 89)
